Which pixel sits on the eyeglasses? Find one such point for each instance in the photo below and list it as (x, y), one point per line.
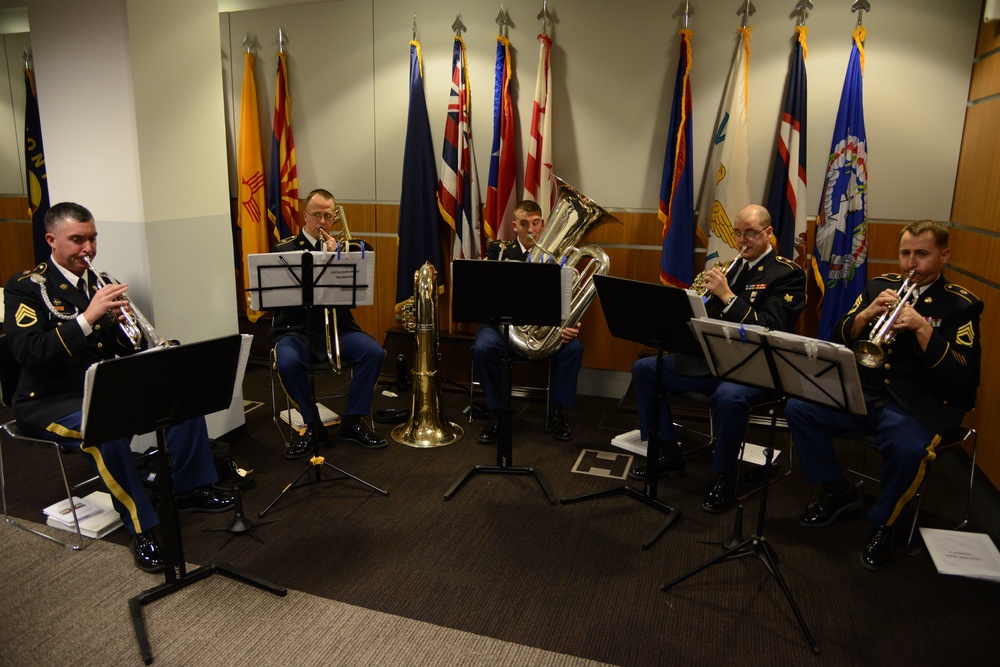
(326, 217)
(749, 235)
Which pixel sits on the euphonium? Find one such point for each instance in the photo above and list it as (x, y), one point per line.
(572, 217)
(135, 325)
(343, 238)
(427, 426)
(698, 284)
(871, 353)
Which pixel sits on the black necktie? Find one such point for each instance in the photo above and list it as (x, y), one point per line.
(81, 285)
(319, 245)
(742, 278)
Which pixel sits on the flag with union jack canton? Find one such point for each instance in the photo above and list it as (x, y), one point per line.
(458, 186)
(841, 254)
(538, 184)
(786, 201)
(255, 234)
(500, 187)
(677, 185)
(283, 181)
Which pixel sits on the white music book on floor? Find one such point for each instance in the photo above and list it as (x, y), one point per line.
(963, 554)
(326, 415)
(630, 442)
(95, 511)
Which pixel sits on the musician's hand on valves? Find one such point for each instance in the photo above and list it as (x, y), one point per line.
(569, 333)
(716, 283)
(106, 299)
(880, 305)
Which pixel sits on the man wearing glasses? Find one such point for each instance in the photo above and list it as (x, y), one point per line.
(763, 289)
(296, 348)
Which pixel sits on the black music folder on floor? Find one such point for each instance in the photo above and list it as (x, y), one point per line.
(152, 391)
(505, 294)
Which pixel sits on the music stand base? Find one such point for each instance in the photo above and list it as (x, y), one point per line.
(672, 512)
(502, 470)
(316, 464)
(136, 603)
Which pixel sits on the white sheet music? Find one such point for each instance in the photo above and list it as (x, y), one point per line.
(275, 279)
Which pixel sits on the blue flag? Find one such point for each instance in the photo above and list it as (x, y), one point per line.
(787, 199)
(677, 185)
(34, 162)
(841, 254)
(419, 232)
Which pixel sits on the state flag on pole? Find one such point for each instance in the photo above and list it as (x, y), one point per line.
(419, 231)
(677, 185)
(727, 180)
(34, 167)
(500, 187)
(251, 217)
(786, 201)
(538, 170)
(841, 254)
(283, 181)
(458, 187)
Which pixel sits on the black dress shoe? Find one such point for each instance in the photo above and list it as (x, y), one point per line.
(360, 434)
(315, 434)
(878, 552)
(669, 467)
(489, 434)
(146, 552)
(830, 507)
(556, 426)
(206, 499)
(720, 498)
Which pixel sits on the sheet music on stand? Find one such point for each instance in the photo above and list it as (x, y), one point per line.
(341, 279)
(88, 378)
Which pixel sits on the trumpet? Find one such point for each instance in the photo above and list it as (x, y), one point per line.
(134, 325)
(698, 284)
(871, 353)
(343, 240)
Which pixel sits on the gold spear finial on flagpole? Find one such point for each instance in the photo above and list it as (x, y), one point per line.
(458, 26)
(502, 21)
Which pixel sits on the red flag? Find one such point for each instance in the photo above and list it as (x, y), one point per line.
(538, 170)
(500, 187)
(283, 181)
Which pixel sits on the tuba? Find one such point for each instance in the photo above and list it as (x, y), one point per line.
(572, 217)
(427, 426)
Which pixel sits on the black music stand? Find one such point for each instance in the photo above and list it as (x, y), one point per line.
(505, 294)
(656, 316)
(310, 279)
(791, 365)
(166, 386)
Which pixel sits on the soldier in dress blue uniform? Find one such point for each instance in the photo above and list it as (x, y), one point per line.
(763, 289)
(487, 350)
(923, 391)
(58, 324)
(296, 349)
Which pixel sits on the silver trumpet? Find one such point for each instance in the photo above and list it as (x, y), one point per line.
(871, 353)
(135, 325)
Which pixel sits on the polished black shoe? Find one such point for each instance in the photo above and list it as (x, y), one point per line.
(315, 434)
(360, 434)
(830, 507)
(669, 467)
(878, 552)
(206, 499)
(556, 426)
(489, 434)
(721, 497)
(146, 552)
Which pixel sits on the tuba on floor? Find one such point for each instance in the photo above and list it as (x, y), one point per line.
(572, 217)
(427, 426)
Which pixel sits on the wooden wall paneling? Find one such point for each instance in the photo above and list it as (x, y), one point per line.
(883, 241)
(985, 78)
(986, 418)
(17, 252)
(14, 208)
(975, 253)
(989, 37)
(977, 199)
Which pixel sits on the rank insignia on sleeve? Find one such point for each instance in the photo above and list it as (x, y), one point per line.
(966, 335)
(25, 316)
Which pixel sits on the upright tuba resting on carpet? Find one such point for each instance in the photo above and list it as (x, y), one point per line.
(427, 426)
(572, 217)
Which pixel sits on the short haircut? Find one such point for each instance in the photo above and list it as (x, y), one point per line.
(917, 228)
(318, 192)
(63, 211)
(761, 214)
(527, 206)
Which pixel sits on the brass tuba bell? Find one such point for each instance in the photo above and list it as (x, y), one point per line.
(427, 425)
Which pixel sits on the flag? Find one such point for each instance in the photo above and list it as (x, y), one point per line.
(727, 179)
(283, 181)
(34, 168)
(500, 189)
(458, 186)
(677, 185)
(419, 233)
(841, 254)
(538, 170)
(786, 201)
(250, 216)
